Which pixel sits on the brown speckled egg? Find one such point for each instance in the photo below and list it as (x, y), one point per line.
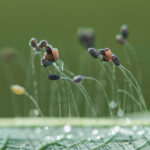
(108, 55)
(55, 53)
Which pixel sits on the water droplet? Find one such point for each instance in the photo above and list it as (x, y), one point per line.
(59, 137)
(34, 113)
(116, 129)
(69, 136)
(94, 132)
(120, 112)
(97, 137)
(67, 128)
(141, 132)
(89, 139)
(46, 128)
(127, 121)
(112, 105)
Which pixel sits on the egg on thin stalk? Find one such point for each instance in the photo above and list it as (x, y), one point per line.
(77, 79)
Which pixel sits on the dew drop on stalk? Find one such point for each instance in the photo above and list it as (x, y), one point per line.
(114, 130)
(67, 128)
(69, 136)
(127, 121)
(120, 113)
(112, 105)
(46, 128)
(77, 79)
(59, 137)
(34, 113)
(98, 137)
(89, 139)
(94, 132)
(141, 132)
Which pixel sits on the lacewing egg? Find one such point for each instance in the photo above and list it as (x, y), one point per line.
(124, 31)
(77, 79)
(53, 77)
(116, 60)
(43, 43)
(48, 49)
(33, 42)
(93, 52)
(55, 53)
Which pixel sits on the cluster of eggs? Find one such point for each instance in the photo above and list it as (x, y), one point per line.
(105, 54)
(50, 55)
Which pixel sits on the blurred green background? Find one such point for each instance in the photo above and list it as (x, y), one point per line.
(57, 21)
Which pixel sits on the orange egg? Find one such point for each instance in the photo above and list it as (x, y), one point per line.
(108, 55)
(16, 89)
(55, 53)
